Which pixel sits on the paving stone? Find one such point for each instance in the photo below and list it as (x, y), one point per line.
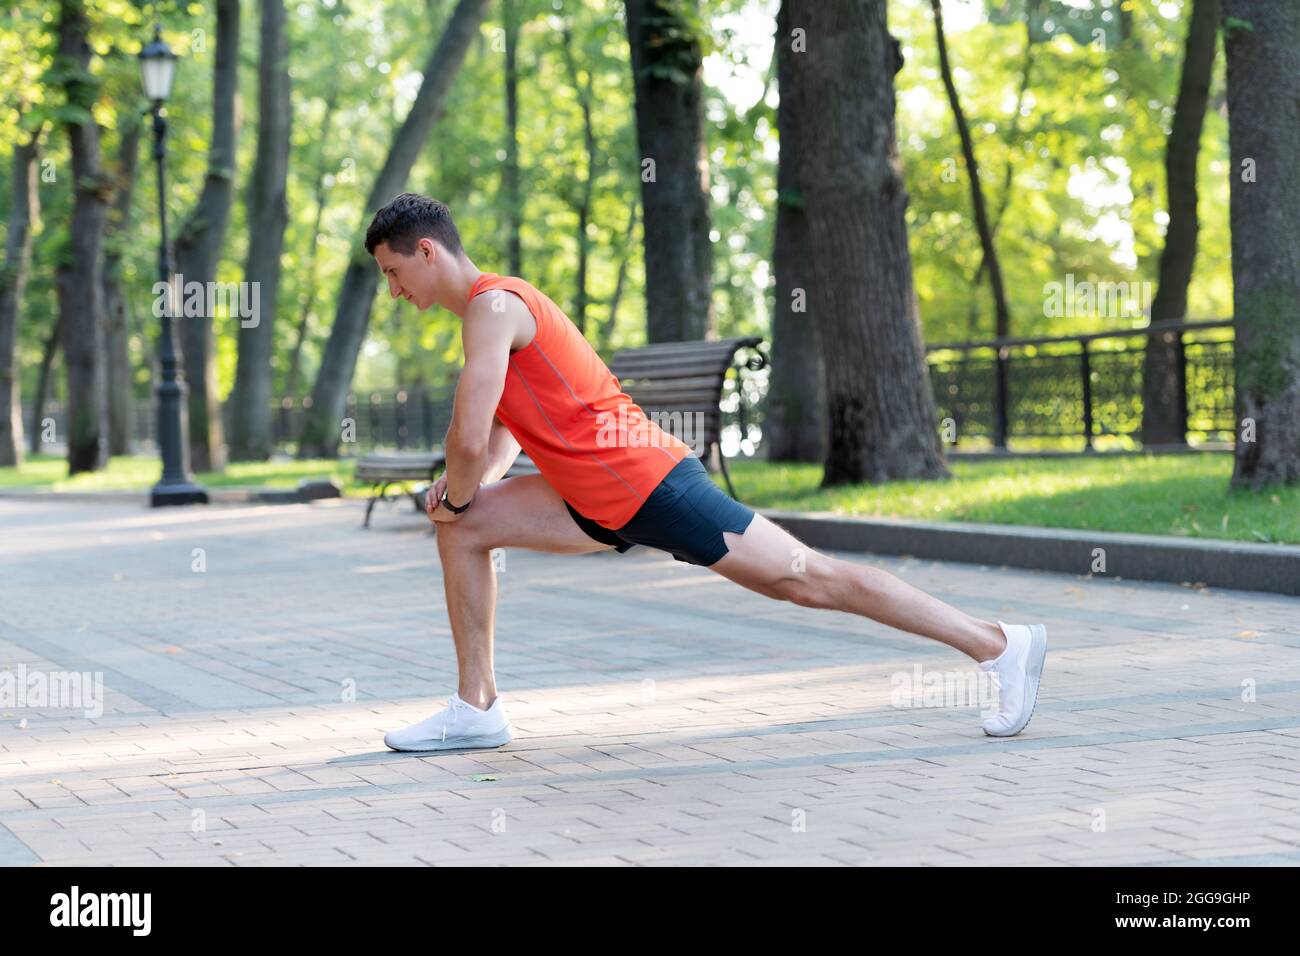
(662, 715)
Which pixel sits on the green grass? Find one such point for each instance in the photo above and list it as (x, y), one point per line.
(140, 473)
(1183, 495)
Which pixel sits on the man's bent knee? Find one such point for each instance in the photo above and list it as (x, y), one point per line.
(458, 535)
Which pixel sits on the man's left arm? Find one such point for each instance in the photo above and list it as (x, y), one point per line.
(486, 340)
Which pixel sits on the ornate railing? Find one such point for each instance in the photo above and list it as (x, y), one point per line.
(1085, 386)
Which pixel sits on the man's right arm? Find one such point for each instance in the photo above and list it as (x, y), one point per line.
(502, 452)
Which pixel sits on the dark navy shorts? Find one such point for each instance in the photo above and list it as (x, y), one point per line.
(685, 515)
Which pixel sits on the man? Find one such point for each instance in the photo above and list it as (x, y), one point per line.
(610, 478)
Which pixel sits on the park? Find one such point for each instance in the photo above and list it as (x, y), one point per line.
(772, 404)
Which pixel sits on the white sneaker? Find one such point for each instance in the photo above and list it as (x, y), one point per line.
(457, 726)
(1016, 672)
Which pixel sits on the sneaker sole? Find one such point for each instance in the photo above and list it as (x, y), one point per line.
(1033, 673)
(456, 743)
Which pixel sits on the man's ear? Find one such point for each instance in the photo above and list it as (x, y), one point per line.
(429, 249)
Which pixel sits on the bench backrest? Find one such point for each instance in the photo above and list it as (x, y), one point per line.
(679, 385)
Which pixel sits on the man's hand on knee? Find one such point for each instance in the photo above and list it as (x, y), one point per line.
(434, 496)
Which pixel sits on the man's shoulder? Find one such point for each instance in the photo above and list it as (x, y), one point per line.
(498, 307)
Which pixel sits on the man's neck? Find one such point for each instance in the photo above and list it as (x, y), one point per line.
(455, 295)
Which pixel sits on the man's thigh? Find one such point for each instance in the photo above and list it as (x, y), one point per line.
(767, 558)
(520, 512)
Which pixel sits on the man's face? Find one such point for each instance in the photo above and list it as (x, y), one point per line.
(412, 277)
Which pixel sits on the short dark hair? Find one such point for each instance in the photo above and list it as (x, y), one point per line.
(408, 218)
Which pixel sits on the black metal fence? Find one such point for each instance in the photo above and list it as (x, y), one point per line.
(1078, 386)
(397, 419)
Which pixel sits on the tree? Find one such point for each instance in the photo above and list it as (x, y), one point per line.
(268, 214)
(582, 203)
(80, 269)
(1164, 381)
(667, 67)
(606, 330)
(320, 436)
(880, 411)
(117, 305)
(309, 300)
(25, 209)
(49, 352)
(510, 167)
(1002, 318)
(794, 428)
(1262, 49)
(199, 243)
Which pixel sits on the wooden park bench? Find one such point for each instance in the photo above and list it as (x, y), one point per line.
(677, 384)
(679, 387)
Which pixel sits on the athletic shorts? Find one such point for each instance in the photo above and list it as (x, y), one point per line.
(685, 515)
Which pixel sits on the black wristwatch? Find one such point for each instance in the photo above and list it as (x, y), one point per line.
(452, 508)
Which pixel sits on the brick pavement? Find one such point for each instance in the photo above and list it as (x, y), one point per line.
(675, 719)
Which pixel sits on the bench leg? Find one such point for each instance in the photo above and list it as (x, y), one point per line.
(722, 460)
(370, 505)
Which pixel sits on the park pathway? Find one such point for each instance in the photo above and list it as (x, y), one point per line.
(253, 657)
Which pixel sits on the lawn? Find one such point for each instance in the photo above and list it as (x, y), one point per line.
(140, 473)
(1184, 495)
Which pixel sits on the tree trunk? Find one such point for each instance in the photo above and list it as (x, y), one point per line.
(667, 71)
(881, 421)
(49, 351)
(794, 428)
(80, 272)
(1264, 134)
(356, 297)
(606, 332)
(1002, 319)
(583, 204)
(268, 214)
(1012, 142)
(304, 317)
(510, 168)
(24, 209)
(198, 248)
(1164, 382)
(117, 306)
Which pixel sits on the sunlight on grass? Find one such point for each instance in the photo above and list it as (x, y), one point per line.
(1169, 494)
(140, 473)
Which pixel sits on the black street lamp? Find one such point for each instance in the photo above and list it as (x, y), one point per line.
(177, 485)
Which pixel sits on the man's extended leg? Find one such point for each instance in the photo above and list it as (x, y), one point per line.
(520, 512)
(770, 560)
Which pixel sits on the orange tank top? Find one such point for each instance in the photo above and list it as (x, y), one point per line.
(571, 416)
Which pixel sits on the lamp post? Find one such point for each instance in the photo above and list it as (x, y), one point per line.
(176, 486)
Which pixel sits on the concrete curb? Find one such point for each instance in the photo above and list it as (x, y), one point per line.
(1240, 565)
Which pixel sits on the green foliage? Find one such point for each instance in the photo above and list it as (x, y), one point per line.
(1086, 155)
(1087, 160)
